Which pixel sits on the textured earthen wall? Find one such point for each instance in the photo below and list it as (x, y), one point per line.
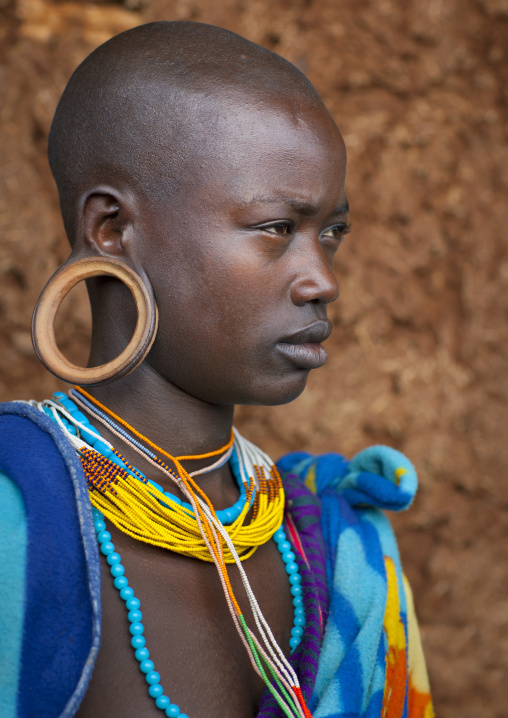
(418, 355)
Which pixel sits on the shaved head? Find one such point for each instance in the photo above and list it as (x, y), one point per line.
(211, 167)
(137, 112)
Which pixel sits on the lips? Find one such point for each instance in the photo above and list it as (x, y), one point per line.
(303, 347)
(313, 334)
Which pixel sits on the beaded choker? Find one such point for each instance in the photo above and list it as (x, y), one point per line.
(132, 502)
(141, 509)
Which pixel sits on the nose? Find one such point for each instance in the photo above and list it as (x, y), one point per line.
(315, 281)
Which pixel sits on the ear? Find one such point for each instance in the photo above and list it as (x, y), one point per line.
(107, 222)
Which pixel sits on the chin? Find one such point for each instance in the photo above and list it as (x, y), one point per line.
(283, 391)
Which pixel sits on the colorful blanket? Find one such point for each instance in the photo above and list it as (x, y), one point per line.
(370, 662)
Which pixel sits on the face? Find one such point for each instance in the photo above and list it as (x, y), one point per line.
(241, 262)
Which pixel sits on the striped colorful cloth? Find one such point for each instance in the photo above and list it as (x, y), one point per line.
(361, 653)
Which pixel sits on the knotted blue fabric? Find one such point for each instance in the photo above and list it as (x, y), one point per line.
(350, 680)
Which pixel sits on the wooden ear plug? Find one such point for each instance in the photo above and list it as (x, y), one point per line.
(60, 284)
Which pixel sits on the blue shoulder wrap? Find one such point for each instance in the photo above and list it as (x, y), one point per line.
(61, 627)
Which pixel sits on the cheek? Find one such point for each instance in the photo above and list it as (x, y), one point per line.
(221, 289)
(205, 318)
(218, 294)
(217, 334)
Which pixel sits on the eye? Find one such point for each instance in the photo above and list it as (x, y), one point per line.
(281, 229)
(338, 231)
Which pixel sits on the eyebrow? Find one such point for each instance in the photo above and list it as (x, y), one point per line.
(308, 209)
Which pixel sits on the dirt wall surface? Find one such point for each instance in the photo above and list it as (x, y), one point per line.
(418, 354)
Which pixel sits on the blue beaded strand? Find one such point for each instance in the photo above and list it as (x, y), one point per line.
(134, 616)
(295, 580)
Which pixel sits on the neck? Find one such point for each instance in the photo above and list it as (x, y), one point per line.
(174, 420)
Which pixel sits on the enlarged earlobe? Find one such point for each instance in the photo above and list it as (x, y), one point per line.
(106, 221)
(43, 333)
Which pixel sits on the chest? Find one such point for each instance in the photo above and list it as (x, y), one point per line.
(189, 632)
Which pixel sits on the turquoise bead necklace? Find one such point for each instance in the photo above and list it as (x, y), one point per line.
(134, 616)
(74, 422)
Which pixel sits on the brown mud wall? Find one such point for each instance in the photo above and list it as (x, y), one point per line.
(418, 355)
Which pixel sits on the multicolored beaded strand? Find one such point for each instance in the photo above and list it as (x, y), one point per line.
(226, 516)
(247, 538)
(287, 555)
(264, 655)
(284, 678)
(268, 502)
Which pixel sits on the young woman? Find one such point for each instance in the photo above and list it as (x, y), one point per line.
(200, 175)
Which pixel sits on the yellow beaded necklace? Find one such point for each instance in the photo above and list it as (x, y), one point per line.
(142, 511)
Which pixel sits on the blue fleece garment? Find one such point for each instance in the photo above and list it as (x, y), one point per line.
(13, 540)
(62, 615)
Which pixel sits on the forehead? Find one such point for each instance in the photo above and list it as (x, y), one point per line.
(265, 148)
(260, 123)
